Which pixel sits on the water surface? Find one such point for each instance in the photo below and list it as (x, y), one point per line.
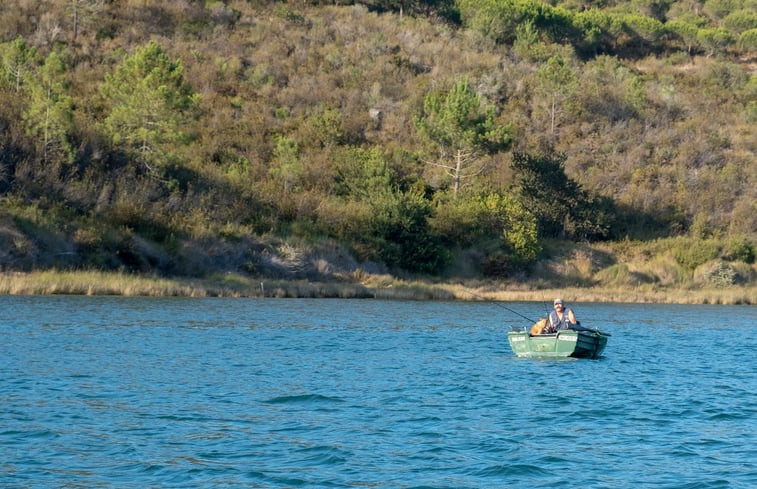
(141, 392)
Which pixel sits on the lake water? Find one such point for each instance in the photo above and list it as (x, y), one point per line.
(107, 392)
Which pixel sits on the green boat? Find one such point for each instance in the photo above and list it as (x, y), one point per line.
(584, 343)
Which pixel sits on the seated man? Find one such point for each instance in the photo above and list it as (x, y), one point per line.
(560, 318)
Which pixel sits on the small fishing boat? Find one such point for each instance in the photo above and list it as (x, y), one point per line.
(583, 343)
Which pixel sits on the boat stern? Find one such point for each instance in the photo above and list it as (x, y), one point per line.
(565, 343)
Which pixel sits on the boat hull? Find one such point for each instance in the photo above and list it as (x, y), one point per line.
(565, 343)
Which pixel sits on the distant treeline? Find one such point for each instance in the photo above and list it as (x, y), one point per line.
(135, 133)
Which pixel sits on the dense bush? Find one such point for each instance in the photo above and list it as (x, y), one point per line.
(137, 127)
(477, 217)
(691, 253)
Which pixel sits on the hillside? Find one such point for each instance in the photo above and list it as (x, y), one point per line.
(451, 139)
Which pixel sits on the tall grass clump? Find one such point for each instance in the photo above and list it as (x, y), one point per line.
(52, 282)
(621, 275)
(666, 271)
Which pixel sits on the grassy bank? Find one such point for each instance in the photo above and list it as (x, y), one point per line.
(379, 287)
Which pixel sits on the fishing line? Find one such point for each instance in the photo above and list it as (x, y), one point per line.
(546, 307)
(498, 304)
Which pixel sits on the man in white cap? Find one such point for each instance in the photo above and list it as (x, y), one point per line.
(561, 317)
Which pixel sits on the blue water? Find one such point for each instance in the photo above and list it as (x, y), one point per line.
(199, 393)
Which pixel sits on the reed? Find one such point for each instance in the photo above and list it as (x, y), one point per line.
(379, 287)
(729, 296)
(95, 283)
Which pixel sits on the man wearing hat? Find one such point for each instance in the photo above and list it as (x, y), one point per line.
(561, 318)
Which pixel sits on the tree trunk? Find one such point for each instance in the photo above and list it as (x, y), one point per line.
(554, 109)
(458, 170)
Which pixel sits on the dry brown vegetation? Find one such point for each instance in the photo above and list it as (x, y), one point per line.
(253, 170)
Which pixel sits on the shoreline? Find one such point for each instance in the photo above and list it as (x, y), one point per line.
(94, 283)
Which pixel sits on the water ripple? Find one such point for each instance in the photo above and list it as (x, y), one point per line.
(133, 393)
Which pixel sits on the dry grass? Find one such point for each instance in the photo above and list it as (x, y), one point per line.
(731, 295)
(380, 287)
(95, 283)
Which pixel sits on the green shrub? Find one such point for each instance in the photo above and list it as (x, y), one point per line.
(691, 253)
(750, 111)
(740, 21)
(739, 249)
(475, 219)
(290, 15)
(748, 40)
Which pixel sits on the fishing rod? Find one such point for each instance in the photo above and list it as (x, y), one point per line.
(546, 307)
(575, 327)
(486, 299)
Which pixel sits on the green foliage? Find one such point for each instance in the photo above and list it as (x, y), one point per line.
(457, 119)
(592, 217)
(286, 167)
(496, 20)
(460, 221)
(597, 31)
(750, 112)
(719, 9)
(667, 272)
(700, 228)
(693, 252)
(476, 218)
(685, 31)
(714, 40)
(739, 248)
(556, 83)
(643, 28)
(18, 60)
(499, 19)
(306, 123)
(740, 21)
(149, 104)
(323, 127)
(748, 40)
(657, 9)
(289, 14)
(399, 230)
(545, 189)
(462, 128)
(562, 208)
(83, 14)
(518, 227)
(50, 114)
(392, 228)
(528, 43)
(381, 222)
(445, 9)
(363, 174)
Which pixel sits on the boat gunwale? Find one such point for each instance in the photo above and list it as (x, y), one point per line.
(596, 337)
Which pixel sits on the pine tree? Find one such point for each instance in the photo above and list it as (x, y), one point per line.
(463, 129)
(149, 105)
(50, 115)
(17, 61)
(556, 84)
